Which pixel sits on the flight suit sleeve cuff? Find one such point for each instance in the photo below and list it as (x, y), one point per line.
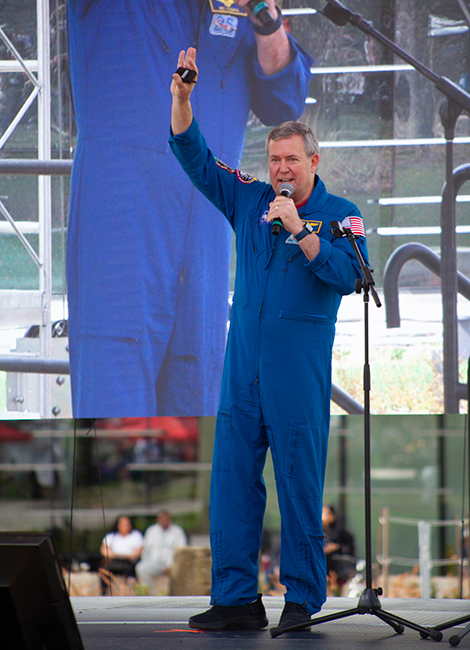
(322, 257)
(187, 136)
(284, 77)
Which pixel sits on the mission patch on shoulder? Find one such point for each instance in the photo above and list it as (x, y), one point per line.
(245, 178)
(242, 176)
(223, 165)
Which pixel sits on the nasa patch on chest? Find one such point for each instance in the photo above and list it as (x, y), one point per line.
(316, 225)
(223, 25)
(262, 220)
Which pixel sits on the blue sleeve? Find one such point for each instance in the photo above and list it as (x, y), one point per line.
(224, 187)
(80, 7)
(336, 263)
(287, 90)
(217, 183)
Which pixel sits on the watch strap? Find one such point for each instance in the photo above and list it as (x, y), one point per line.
(307, 230)
(270, 29)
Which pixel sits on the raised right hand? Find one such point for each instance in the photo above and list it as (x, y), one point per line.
(181, 91)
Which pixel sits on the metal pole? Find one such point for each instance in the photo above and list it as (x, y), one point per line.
(441, 499)
(44, 198)
(342, 472)
(385, 548)
(449, 115)
(424, 558)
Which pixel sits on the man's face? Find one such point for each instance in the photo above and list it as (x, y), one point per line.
(288, 163)
(164, 520)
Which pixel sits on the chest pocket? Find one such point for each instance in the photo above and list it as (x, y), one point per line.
(304, 294)
(211, 37)
(252, 256)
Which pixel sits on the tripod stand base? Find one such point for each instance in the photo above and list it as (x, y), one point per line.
(456, 638)
(368, 603)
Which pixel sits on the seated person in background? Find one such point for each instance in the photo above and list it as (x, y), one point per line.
(339, 548)
(160, 541)
(120, 550)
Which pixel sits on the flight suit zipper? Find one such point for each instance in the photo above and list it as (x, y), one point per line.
(165, 45)
(271, 254)
(262, 305)
(252, 238)
(267, 274)
(293, 256)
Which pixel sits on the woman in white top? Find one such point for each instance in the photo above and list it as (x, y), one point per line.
(121, 550)
(124, 543)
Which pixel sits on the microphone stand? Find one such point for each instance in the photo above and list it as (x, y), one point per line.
(369, 602)
(340, 15)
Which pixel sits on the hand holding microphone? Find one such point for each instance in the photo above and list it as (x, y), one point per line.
(286, 189)
(260, 9)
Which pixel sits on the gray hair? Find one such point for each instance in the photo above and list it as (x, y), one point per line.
(289, 129)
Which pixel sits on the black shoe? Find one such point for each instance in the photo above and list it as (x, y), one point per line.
(293, 614)
(238, 617)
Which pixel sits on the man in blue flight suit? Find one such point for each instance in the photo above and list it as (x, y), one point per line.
(147, 332)
(276, 385)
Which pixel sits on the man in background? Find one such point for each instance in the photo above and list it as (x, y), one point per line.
(160, 541)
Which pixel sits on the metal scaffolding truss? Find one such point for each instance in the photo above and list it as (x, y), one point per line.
(22, 308)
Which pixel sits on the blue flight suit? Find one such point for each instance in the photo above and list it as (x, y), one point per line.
(276, 384)
(147, 262)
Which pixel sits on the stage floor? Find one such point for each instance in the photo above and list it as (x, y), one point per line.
(123, 623)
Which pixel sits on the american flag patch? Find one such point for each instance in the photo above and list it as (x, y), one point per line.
(355, 224)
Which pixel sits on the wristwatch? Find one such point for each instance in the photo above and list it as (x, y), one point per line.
(307, 230)
(272, 26)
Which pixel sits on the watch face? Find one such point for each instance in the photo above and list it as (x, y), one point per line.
(309, 227)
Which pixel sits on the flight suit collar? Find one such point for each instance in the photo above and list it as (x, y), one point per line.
(317, 200)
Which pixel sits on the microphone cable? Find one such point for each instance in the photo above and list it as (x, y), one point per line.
(92, 428)
(72, 496)
(102, 505)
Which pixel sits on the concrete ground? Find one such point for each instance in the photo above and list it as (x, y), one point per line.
(123, 623)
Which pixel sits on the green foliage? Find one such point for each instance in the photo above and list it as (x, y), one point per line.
(141, 590)
(404, 380)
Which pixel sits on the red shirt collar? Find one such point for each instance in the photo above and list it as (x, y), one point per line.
(299, 205)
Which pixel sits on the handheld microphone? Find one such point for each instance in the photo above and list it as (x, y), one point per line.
(260, 10)
(286, 190)
(337, 13)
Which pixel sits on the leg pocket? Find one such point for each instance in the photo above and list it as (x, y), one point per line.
(305, 460)
(223, 441)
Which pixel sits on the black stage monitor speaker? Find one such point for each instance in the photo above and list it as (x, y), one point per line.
(35, 610)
